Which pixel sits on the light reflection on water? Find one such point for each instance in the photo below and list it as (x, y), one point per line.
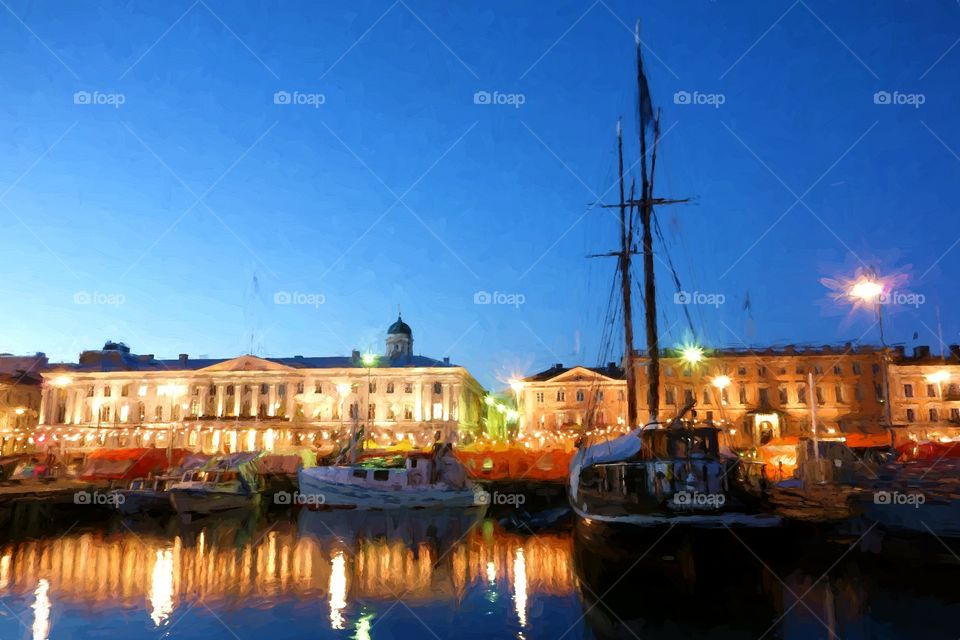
(419, 575)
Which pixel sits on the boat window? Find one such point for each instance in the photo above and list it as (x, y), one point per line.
(381, 475)
(360, 473)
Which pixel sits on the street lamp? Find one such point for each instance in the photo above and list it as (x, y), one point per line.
(869, 288)
(691, 355)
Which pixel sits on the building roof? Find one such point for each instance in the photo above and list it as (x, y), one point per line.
(117, 357)
(400, 327)
(610, 371)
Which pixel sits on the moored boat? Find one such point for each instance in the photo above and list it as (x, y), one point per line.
(415, 480)
(226, 482)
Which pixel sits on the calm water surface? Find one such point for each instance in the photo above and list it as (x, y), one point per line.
(459, 575)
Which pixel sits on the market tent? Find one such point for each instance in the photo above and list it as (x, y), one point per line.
(127, 464)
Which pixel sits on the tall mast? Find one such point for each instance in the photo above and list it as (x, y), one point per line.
(626, 246)
(645, 112)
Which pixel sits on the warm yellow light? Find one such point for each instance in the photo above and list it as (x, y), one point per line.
(62, 381)
(692, 355)
(721, 382)
(516, 384)
(938, 377)
(20, 411)
(866, 289)
(343, 388)
(369, 359)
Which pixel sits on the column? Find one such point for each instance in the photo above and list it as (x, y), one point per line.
(291, 403)
(418, 398)
(272, 395)
(446, 400)
(221, 390)
(255, 399)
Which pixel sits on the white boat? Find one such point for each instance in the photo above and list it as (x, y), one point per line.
(423, 481)
(227, 482)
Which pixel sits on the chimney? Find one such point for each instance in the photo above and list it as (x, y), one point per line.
(183, 359)
(355, 355)
(922, 352)
(955, 351)
(446, 360)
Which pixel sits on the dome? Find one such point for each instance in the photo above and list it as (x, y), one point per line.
(400, 327)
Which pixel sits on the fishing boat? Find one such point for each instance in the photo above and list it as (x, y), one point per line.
(151, 495)
(224, 483)
(412, 480)
(660, 472)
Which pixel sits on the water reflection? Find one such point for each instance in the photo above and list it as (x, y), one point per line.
(337, 575)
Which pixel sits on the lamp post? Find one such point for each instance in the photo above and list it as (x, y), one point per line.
(869, 288)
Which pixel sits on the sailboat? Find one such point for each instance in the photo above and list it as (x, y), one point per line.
(658, 473)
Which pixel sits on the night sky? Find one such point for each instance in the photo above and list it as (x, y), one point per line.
(174, 205)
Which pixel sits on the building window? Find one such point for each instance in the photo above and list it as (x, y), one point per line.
(437, 387)
(561, 395)
(212, 391)
(282, 390)
(668, 371)
(229, 389)
(878, 392)
(908, 391)
(837, 370)
(838, 392)
(782, 394)
(687, 396)
(802, 394)
(724, 396)
(371, 411)
(599, 395)
(391, 414)
(801, 370)
(90, 391)
(408, 412)
(911, 415)
(158, 413)
(299, 387)
(389, 387)
(580, 395)
(669, 397)
(561, 418)
(706, 396)
(764, 396)
(264, 389)
(875, 368)
(741, 371)
(762, 372)
(856, 368)
(782, 371)
(318, 387)
(858, 393)
(819, 391)
(372, 387)
(107, 392)
(354, 410)
(125, 391)
(408, 388)
(539, 396)
(934, 416)
(709, 416)
(955, 414)
(818, 370)
(931, 391)
(743, 394)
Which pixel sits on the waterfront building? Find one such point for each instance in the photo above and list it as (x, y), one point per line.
(114, 398)
(19, 399)
(756, 395)
(925, 392)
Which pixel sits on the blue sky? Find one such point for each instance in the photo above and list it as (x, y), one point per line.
(183, 212)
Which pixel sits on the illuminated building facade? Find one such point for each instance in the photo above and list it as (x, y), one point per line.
(116, 398)
(925, 392)
(19, 399)
(756, 395)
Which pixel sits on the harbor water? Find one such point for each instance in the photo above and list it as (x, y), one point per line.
(460, 574)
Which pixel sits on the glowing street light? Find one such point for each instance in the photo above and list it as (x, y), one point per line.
(721, 382)
(691, 355)
(343, 388)
(62, 381)
(938, 377)
(866, 289)
(369, 359)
